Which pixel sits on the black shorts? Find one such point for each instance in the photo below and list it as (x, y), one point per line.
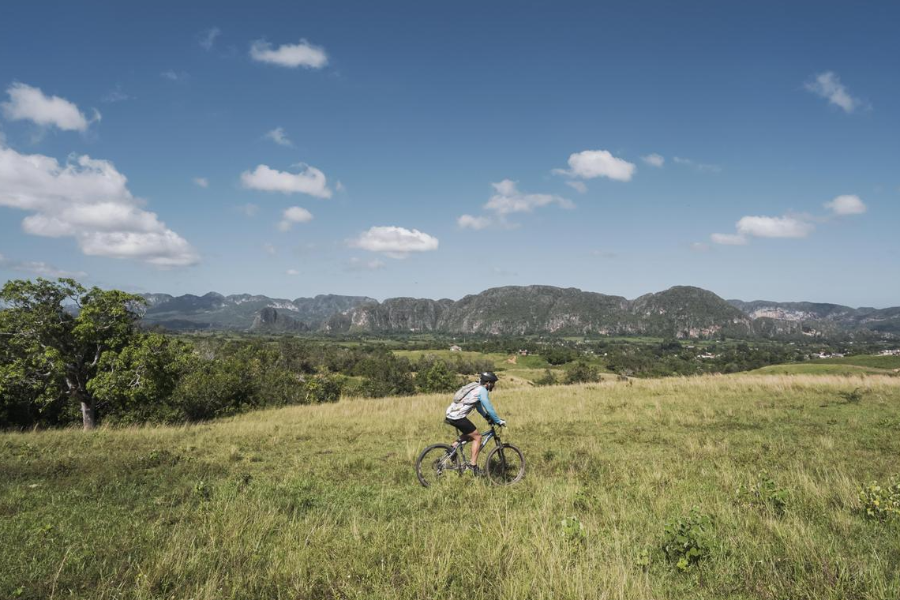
(464, 425)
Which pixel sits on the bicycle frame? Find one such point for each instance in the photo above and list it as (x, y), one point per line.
(486, 436)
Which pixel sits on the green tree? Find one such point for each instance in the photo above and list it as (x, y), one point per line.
(136, 383)
(55, 334)
(438, 377)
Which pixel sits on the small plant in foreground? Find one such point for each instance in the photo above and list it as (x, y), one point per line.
(881, 503)
(688, 540)
(853, 397)
(573, 530)
(765, 493)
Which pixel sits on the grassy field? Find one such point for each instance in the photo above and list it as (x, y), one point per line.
(322, 502)
(849, 365)
(875, 361)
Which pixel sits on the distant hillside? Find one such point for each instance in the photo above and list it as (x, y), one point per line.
(681, 312)
(824, 317)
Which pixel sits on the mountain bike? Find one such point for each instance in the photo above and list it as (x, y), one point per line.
(505, 464)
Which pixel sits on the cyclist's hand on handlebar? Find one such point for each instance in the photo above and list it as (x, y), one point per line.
(500, 423)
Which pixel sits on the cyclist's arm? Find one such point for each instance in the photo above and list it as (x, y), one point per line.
(485, 408)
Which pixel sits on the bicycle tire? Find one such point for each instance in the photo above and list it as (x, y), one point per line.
(436, 462)
(505, 465)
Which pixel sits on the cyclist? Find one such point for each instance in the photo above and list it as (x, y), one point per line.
(477, 399)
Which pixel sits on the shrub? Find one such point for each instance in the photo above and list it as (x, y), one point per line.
(582, 372)
(438, 377)
(572, 530)
(853, 397)
(688, 540)
(881, 503)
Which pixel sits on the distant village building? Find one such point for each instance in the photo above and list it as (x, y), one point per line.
(523, 352)
(890, 352)
(707, 355)
(455, 349)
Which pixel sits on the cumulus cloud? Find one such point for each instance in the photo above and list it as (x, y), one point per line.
(698, 166)
(208, 38)
(654, 160)
(309, 180)
(201, 182)
(88, 199)
(28, 103)
(470, 222)
(292, 272)
(699, 247)
(302, 54)
(293, 215)
(765, 227)
(508, 199)
(395, 242)
(729, 239)
(278, 136)
(774, 227)
(828, 85)
(846, 205)
(39, 268)
(597, 163)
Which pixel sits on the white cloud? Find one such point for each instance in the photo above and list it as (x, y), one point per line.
(201, 182)
(277, 135)
(395, 242)
(729, 239)
(292, 272)
(208, 38)
(846, 205)
(339, 187)
(470, 222)
(700, 167)
(309, 180)
(270, 249)
(302, 54)
(827, 85)
(598, 163)
(292, 215)
(654, 160)
(700, 246)
(509, 199)
(578, 186)
(248, 209)
(88, 199)
(774, 227)
(175, 76)
(358, 264)
(28, 103)
(39, 268)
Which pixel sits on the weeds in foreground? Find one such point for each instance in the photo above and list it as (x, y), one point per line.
(881, 503)
(688, 539)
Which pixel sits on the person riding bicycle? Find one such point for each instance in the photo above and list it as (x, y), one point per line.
(476, 398)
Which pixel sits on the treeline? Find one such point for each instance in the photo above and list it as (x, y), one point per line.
(70, 354)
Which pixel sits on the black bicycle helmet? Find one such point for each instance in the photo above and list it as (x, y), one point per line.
(488, 376)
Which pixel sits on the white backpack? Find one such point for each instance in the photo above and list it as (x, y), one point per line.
(464, 391)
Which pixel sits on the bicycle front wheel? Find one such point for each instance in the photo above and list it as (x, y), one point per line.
(436, 463)
(505, 465)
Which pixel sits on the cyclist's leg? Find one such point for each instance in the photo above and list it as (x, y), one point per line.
(468, 430)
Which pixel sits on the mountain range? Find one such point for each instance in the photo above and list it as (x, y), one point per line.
(681, 312)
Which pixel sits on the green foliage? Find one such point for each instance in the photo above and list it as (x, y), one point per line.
(556, 355)
(437, 378)
(572, 530)
(582, 372)
(688, 540)
(53, 337)
(854, 397)
(765, 493)
(881, 503)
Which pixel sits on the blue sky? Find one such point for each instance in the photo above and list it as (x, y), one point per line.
(437, 149)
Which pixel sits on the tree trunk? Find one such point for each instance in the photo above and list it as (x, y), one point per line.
(87, 414)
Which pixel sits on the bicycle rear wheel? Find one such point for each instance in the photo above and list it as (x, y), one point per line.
(436, 463)
(505, 465)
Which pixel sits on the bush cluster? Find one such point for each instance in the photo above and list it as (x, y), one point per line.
(688, 539)
(881, 503)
